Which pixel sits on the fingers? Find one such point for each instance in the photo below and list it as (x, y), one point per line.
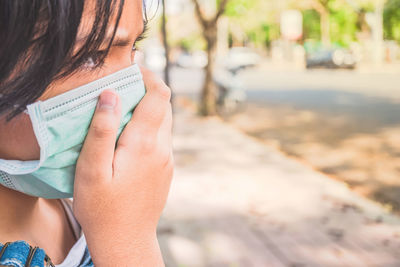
(98, 149)
(150, 112)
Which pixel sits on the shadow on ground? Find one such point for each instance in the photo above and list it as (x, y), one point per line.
(350, 136)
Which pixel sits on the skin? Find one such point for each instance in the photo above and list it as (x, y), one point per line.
(120, 189)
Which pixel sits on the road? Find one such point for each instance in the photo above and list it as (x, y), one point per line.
(371, 100)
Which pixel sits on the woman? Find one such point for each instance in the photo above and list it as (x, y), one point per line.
(56, 58)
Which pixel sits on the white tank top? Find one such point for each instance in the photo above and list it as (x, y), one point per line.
(77, 252)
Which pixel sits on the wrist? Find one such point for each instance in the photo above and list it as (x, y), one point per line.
(130, 250)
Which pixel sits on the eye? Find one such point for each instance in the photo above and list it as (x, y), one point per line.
(134, 47)
(140, 38)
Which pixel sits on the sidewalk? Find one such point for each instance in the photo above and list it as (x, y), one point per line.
(236, 202)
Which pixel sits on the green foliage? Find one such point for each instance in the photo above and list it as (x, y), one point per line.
(257, 19)
(270, 32)
(343, 25)
(391, 20)
(192, 43)
(263, 35)
(237, 8)
(311, 24)
(362, 5)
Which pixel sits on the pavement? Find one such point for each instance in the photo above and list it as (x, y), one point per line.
(235, 201)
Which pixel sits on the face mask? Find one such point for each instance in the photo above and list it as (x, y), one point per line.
(60, 125)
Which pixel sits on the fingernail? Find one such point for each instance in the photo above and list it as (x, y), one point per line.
(108, 100)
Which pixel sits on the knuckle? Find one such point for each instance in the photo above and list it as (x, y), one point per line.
(102, 131)
(147, 144)
(166, 159)
(164, 92)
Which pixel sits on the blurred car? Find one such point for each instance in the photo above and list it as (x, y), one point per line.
(196, 59)
(331, 58)
(239, 57)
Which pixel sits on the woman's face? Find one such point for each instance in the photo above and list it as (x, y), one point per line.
(17, 139)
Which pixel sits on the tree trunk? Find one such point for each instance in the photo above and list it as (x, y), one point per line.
(378, 33)
(325, 28)
(208, 104)
(323, 10)
(208, 98)
(165, 43)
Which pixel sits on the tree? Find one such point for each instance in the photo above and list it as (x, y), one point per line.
(255, 20)
(208, 104)
(376, 26)
(322, 7)
(337, 20)
(392, 20)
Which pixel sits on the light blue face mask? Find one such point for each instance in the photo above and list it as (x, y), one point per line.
(60, 125)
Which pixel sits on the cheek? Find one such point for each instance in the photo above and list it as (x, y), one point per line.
(17, 139)
(119, 58)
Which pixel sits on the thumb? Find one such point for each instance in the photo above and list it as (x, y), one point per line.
(96, 157)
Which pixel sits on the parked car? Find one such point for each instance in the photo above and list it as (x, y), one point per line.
(331, 58)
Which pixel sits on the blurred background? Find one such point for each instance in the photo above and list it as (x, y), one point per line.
(287, 130)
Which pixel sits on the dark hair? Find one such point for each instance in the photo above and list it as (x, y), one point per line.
(37, 39)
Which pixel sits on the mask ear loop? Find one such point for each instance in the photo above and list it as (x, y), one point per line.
(36, 117)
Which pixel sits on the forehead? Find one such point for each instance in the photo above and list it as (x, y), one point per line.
(131, 20)
(132, 17)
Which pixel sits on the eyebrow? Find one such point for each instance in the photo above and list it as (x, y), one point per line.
(122, 39)
(125, 40)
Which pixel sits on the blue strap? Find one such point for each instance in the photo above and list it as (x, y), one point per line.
(16, 254)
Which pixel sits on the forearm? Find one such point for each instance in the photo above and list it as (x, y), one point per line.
(143, 251)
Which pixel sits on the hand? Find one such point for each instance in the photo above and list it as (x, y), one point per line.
(120, 191)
